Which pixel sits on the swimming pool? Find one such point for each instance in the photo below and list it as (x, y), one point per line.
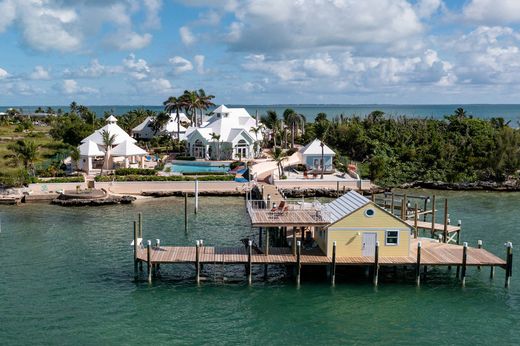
(202, 167)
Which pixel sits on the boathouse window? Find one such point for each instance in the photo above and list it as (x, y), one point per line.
(392, 238)
(370, 212)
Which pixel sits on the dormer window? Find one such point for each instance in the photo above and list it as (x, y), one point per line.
(218, 115)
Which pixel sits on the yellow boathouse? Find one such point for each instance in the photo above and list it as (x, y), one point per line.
(357, 223)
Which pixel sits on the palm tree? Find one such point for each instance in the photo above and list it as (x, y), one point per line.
(295, 122)
(108, 142)
(256, 130)
(175, 104)
(25, 152)
(271, 122)
(159, 122)
(322, 128)
(279, 155)
(74, 157)
(215, 137)
(204, 102)
(460, 113)
(190, 102)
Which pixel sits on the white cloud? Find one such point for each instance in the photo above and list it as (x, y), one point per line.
(8, 11)
(286, 70)
(321, 66)
(40, 73)
(3, 73)
(159, 86)
(137, 68)
(129, 40)
(71, 87)
(199, 64)
(180, 65)
(493, 11)
(426, 8)
(186, 36)
(273, 25)
(153, 7)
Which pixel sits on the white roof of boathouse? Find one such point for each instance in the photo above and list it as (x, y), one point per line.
(314, 148)
(345, 205)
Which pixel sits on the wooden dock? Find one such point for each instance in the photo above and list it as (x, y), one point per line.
(438, 227)
(433, 254)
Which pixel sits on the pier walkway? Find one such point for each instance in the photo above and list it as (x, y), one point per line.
(432, 254)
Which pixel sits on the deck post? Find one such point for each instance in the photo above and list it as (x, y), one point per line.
(392, 204)
(445, 233)
(509, 264)
(293, 243)
(266, 252)
(135, 250)
(298, 262)
(197, 195)
(373, 196)
(403, 205)
(433, 216)
(333, 266)
(140, 234)
(426, 200)
(479, 246)
(186, 212)
(492, 272)
(416, 216)
(260, 233)
(464, 261)
(302, 235)
(376, 264)
(249, 262)
(418, 265)
(337, 189)
(197, 261)
(149, 260)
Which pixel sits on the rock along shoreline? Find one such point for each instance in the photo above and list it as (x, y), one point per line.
(507, 186)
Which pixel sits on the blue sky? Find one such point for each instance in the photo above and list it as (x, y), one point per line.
(106, 52)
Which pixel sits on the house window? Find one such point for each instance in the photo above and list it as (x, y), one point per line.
(392, 238)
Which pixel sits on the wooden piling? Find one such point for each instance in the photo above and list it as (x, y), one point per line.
(509, 263)
(403, 206)
(418, 265)
(416, 216)
(426, 200)
(186, 212)
(479, 246)
(464, 261)
(149, 260)
(445, 232)
(140, 217)
(266, 252)
(135, 250)
(433, 216)
(373, 196)
(492, 272)
(293, 243)
(337, 189)
(197, 195)
(392, 204)
(197, 261)
(298, 262)
(376, 264)
(260, 235)
(333, 265)
(249, 262)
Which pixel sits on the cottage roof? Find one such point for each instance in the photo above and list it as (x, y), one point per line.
(112, 129)
(345, 205)
(127, 148)
(170, 127)
(91, 149)
(111, 119)
(314, 148)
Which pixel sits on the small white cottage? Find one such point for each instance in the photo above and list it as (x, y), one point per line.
(312, 156)
(145, 129)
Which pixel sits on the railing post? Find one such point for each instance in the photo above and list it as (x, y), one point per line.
(135, 250)
(479, 246)
(197, 261)
(509, 263)
(333, 266)
(418, 265)
(298, 262)
(376, 264)
(464, 261)
(149, 260)
(249, 262)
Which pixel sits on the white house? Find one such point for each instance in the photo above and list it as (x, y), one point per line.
(227, 135)
(312, 158)
(124, 152)
(145, 129)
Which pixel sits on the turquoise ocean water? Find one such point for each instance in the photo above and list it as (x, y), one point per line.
(507, 111)
(66, 277)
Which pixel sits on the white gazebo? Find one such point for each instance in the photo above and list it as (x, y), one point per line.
(131, 153)
(88, 151)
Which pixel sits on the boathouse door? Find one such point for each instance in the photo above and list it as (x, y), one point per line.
(369, 244)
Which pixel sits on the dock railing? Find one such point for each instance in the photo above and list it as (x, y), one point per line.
(311, 211)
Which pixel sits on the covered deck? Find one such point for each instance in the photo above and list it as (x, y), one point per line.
(286, 214)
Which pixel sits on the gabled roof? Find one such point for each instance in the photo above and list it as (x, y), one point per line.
(111, 119)
(91, 149)
(314, 148)
(127, 149)
(345, 205)
(112, 129)
(234, 133)
(221, 109)
(142, 125)
(170, 127)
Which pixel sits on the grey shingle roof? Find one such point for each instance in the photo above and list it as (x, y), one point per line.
(345, 205)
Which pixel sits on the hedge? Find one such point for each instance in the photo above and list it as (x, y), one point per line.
(123, 178)
(134, 171)
(61, 180)
(186, 158)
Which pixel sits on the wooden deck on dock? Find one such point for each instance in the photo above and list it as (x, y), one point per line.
(432, 254)
(438, 227)
(292, 217)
